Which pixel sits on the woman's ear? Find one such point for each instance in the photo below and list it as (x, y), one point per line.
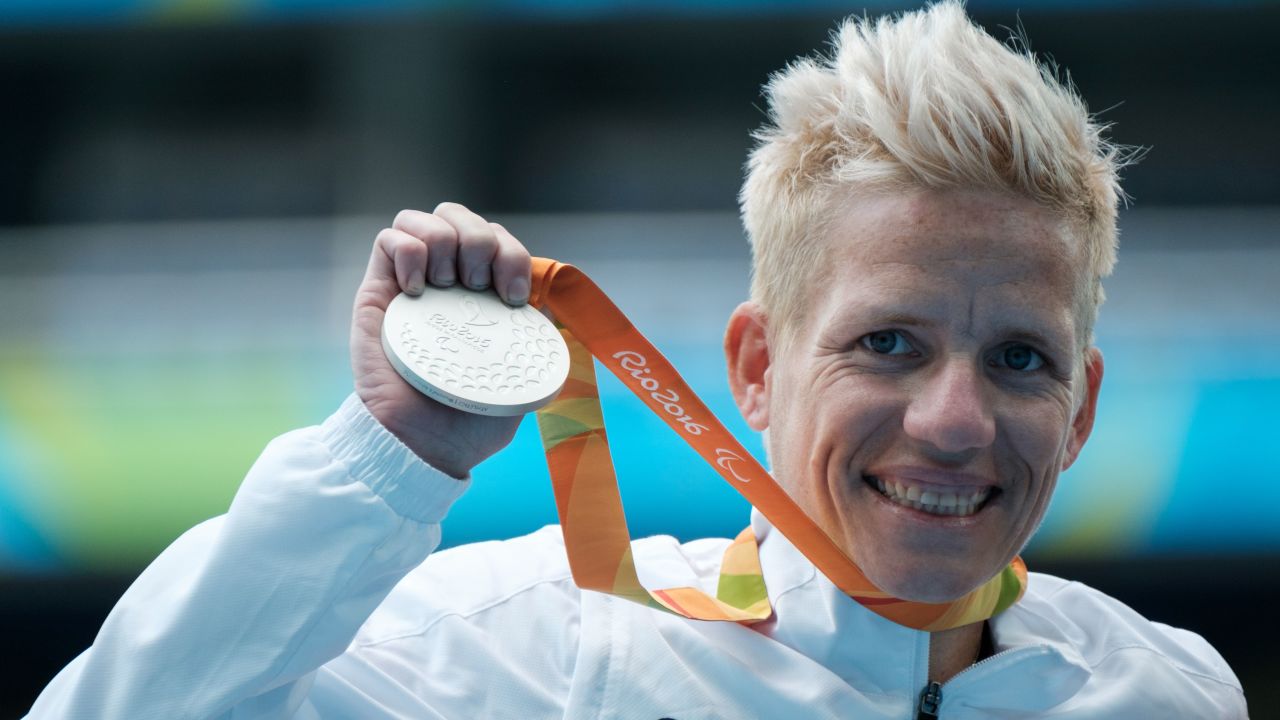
(746, 354)
(1082, 423)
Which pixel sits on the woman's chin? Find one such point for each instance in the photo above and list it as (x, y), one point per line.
(927, 585)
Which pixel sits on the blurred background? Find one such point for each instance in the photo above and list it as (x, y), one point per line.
(189, 190)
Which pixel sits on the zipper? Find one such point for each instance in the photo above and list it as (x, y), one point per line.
(986, 660)
(930, 703)
(931, 695)
(930, 700)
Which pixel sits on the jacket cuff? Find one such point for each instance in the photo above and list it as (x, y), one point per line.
(377, 458)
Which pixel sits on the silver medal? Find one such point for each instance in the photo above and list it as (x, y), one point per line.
(468, 349)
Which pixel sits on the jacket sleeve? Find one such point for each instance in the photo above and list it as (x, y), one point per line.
(234, 618)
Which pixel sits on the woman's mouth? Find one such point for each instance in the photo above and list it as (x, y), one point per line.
(960, 502)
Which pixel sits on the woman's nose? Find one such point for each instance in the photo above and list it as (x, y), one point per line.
(949, 408)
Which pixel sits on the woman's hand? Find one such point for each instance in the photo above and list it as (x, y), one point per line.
(450, 245)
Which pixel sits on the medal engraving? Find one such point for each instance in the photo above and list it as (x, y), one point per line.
(470, 350)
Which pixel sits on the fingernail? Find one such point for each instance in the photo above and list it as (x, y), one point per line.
(518, 291)
(416, 282)
(444, 274)
(480, 278)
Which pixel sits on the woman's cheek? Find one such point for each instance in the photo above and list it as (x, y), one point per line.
(1037, 438)
(1038, 430)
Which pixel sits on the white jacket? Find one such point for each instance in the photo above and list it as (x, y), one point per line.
(310, 598)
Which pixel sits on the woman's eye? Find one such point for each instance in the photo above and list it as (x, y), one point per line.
(1021, 358)
(887, 342)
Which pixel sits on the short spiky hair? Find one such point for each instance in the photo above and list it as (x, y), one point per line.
(926, 99)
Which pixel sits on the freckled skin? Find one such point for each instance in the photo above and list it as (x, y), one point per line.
(960, 279)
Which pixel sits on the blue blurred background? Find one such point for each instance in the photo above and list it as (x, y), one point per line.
(189, 190)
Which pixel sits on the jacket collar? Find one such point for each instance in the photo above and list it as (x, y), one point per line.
(877, 656)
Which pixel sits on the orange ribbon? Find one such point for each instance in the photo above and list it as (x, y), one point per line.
(596, 537)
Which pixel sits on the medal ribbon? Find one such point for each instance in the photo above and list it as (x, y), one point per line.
(596, 538)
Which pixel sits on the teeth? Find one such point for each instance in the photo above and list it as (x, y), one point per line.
(932, 502)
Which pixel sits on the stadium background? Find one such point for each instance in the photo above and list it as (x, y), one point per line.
(189, 190)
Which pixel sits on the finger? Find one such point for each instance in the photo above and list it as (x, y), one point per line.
(511, 267)
(441, 240)
(477, 244)
(398, 262)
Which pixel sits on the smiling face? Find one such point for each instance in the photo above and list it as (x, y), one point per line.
(938, 385)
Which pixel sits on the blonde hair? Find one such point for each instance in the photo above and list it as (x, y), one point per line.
(925, 100)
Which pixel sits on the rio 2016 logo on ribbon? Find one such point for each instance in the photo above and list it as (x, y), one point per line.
(634, 363)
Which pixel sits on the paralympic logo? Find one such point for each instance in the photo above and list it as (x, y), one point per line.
(635, 364)
(726, 458)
